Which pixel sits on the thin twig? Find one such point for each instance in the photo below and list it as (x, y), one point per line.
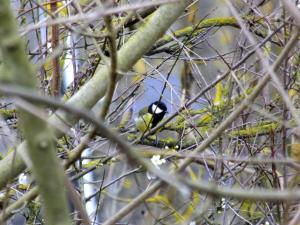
(55, 87)
(141, 198)
(132, 155)
(113, 67)
(213, 84)
(265, 63)
(95, 15)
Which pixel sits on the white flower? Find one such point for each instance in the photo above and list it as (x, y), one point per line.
(223, 204)
(157, 161)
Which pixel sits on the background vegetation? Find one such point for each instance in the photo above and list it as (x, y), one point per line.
(75, 73)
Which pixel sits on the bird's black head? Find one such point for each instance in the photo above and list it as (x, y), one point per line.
(158, 110)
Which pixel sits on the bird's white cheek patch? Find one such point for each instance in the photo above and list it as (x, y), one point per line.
(156, 109)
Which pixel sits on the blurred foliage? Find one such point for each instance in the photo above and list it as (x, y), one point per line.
(203, 44)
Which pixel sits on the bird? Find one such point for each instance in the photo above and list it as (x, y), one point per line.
(150, 116)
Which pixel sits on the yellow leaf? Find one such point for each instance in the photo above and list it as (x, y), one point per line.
(140, 69)
(192, 13)
(295, 152)
(295, 145)
(266, 151)
(192, 174)
(127, 183)
(292, 92)
(23, 186)
(159, 199)
(187, 214)
(250, 209)
(205, 119)
(218, 100)
(48, 67)
(63, 10)
(267, 50)
(92, 163)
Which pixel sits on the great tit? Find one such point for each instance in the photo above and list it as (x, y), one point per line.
(151, 116)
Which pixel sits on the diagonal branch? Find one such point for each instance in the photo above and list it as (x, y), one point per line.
(44, 163)
(96, 88)
(218, 131)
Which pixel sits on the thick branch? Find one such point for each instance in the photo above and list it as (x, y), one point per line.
(95, 89)
(41, 147)
(152, 189)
